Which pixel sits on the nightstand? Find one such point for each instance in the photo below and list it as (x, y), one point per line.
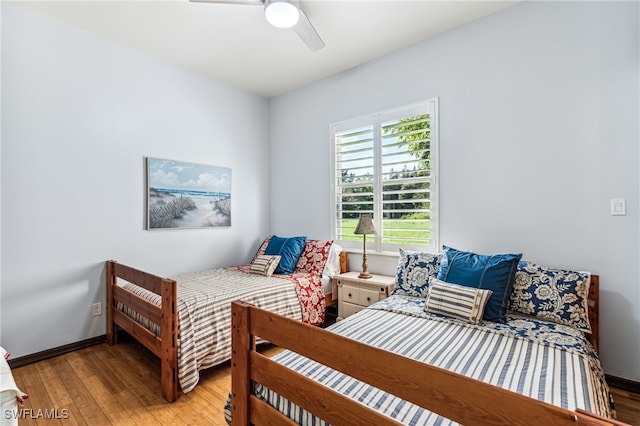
(355, 294)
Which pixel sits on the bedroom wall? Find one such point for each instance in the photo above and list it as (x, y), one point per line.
(538, 131)
(79, 116)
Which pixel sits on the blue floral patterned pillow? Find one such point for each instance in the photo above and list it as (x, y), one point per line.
(414, 271)
(553, 295)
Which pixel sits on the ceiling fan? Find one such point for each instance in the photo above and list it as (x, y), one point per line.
(283, 14)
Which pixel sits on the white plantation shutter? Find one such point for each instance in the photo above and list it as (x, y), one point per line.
(386, 165)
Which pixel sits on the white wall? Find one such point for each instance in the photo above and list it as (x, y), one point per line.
(539, 130)
(79, 115)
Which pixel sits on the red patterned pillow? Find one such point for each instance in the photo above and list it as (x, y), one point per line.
(262, 249)
(314, 256)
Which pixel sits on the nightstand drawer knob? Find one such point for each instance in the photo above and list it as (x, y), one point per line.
(350, 295)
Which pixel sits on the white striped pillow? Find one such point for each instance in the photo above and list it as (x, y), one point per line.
(264, 265)
(456, 301)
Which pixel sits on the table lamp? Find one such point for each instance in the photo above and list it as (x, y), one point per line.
(364, 227)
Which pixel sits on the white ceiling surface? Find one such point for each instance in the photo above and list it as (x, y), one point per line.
(235, 44)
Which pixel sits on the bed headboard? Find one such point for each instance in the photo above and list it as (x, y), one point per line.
(344, 262)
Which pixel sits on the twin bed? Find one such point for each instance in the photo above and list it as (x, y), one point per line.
(374, 368)
(397, 362)
(186, 320)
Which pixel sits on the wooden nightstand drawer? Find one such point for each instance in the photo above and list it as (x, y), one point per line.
(367, 297)
(350, 309)
(351, 294)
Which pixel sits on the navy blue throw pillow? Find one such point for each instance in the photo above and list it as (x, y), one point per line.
(490, 272)
(289, 250)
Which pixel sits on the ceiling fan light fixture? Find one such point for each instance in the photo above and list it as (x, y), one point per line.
(282, 14)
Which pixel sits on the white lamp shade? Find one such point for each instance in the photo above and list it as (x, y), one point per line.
(282, 14)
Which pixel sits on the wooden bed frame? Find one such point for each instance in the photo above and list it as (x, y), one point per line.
(594, 312)
(164, 346)
(433, 388)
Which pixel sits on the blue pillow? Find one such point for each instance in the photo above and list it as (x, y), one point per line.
(490, 272)
(289, 250)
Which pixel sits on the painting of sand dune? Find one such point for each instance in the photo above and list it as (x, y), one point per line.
(187, 195)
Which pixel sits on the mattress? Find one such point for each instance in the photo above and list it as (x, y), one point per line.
(326, 284)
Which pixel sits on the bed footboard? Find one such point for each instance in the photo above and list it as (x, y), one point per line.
(165, 316)
(433, 388)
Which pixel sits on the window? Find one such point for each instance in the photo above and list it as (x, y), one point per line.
(386, 164)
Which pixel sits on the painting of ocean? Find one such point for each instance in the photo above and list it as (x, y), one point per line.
(187, 195)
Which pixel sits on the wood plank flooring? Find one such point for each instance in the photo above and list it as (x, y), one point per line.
(627, 405)
(120, 385)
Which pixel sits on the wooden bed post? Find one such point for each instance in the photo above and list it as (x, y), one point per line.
(241, 344)
(169, 333)
(594, 312)
(344, 262)
(112, 332)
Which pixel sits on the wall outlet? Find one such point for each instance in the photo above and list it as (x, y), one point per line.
(96, 309)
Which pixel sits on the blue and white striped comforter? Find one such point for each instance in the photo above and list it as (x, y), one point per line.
(204, 312)
(549, 362)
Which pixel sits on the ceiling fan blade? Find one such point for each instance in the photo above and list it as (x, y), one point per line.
(248, 2)
(308, 33)
(303, 28)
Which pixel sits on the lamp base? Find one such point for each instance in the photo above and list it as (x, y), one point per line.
(364, 274)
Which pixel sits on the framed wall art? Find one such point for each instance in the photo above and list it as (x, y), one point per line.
(187, 195)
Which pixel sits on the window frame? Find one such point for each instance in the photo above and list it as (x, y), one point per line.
(374, 243)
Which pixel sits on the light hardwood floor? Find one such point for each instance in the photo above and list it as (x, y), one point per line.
(120, 385)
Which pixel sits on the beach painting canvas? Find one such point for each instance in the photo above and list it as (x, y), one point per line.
(187, 195)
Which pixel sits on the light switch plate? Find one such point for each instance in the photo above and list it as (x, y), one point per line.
(618, 207)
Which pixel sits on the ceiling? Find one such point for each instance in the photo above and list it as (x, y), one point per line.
(234, 43)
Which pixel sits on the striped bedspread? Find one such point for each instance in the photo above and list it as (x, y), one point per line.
(204, 311)
(548, 362)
